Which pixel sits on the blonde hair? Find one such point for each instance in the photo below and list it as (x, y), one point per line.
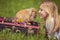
(52, 10)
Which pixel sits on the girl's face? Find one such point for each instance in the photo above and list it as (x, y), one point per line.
(43, 13)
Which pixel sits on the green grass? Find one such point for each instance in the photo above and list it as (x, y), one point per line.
(9, 35)
(8, 8)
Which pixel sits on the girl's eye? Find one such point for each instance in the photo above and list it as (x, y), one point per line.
(41, 9)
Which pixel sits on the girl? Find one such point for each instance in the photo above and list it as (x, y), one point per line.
(49, 12)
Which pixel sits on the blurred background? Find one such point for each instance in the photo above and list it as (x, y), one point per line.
(8, 8)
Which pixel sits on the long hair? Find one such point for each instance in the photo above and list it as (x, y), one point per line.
(52, 10)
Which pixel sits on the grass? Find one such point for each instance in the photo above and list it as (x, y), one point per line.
(9, 35)
(8, 8)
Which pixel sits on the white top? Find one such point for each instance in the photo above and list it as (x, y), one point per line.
(50, 26)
